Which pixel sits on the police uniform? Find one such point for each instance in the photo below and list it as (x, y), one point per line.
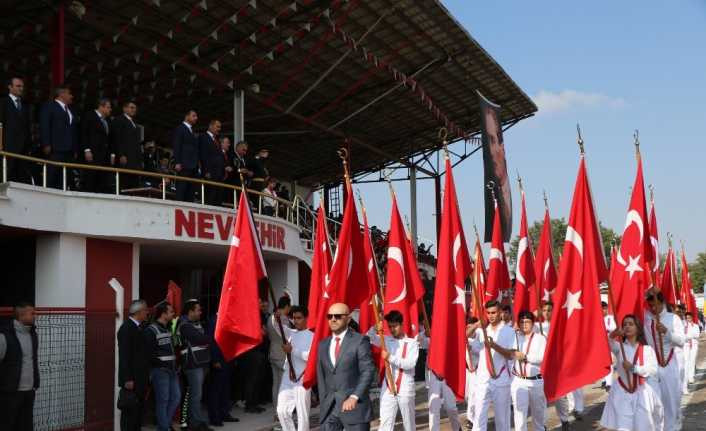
(196, 356)
(163, 373)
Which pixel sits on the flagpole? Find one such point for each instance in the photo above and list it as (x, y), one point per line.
(266, 280)
(529, 248)
(343, 154)
(539, 290)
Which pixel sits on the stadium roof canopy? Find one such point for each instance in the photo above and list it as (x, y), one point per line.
(385, 74)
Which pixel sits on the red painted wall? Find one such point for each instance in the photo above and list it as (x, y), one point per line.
(105, 260)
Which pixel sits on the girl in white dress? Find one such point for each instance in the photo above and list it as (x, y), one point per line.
(632, 404)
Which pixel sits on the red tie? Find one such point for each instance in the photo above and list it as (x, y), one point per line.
(337, 349)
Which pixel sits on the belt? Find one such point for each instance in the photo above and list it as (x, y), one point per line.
(166, 358)
(193, 349)
(537, 377)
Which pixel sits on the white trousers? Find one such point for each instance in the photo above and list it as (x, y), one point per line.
(470, 395)
(389, 404)
(577, 396)
(608, 379)
(691, 369)
(528, 399)
(668, 386)
(500, 397)
(290, 399)
(683, 361)
(440, 393)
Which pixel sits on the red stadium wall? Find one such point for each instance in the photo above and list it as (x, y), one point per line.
(105, 260)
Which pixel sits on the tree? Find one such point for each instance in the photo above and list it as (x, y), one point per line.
(697, 272)
(559, 226)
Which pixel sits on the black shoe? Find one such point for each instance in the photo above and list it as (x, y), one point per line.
(607, 388)
(229, 418)
(565, 426)
(578, 416)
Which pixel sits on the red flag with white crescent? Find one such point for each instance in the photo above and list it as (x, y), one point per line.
(524, 273)
(320, 266)
(669, 278)
(367, 317)
(654, 241)
(479, 276)
(632, 274)
(448, 330)
(577, 350)
(687, 289)
(498, 276)
(544, 268)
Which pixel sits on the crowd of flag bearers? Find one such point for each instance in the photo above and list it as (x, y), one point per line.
(555, 339)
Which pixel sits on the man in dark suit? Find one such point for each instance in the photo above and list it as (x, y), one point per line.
(212, 162)
(133, 367)
(95, 142)
(125, 142)
(344, 371)
(186, 156)
(16, 132)
(58, 133)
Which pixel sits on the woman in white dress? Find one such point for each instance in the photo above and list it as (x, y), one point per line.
(632, 404)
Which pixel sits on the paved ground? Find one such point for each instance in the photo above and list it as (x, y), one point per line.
(694, 407)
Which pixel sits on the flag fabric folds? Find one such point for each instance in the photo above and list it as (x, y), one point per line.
(498, 275)
(544, 270)
(238, 326)
(320, 266)
(687, 291)
(479, 277)
(448, 338)
(367, 319)
(669, 278)
(654, 241)
(632, 274)
(174, 296)
(524, 272)
(577, 319)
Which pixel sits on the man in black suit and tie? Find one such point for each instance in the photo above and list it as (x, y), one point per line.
(344, 372)
(133, 363)
(186, 156)
(212, 162)
(16, 132)
(58, 133)
(95, 142)
(125, 142)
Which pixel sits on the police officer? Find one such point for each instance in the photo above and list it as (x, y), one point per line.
(163, 365)
(196, 356)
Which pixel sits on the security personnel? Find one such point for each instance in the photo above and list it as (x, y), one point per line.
(196, 356)
(163, 365)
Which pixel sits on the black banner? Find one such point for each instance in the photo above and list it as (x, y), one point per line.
(495, 168)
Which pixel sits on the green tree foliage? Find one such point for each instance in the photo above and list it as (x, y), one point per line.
(697, 272)
(559, 226)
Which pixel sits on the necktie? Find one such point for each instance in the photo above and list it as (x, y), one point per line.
(18, 104)
(337, 348)
(105, 125)
(68, 115)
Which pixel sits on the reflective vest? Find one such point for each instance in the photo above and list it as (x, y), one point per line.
(193, 354)
(165, 356)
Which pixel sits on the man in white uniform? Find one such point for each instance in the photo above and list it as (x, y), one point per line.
(471, 377)
(527, 388)
(292, 395)
(692, 335)
(682, 353)
(493, 384)
(610, 326)
(401, 353)
(665, 331)
(439, 393)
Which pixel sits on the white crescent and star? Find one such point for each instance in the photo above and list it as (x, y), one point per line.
(572, 302)
(574, 238)
(235, 241)
(456, 249)
(521, 249)
(395, 254)
(633, 266)
(632, 217)
(460, 297)
(495, 254)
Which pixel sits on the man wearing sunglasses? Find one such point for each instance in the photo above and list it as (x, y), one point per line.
(665, 333)
(344, 371)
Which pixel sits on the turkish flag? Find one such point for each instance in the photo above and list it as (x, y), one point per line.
(447, 349)
(611, 276)
(524, 273)
(367, 316)
(577, 350)
(348, 280)
(238, 327)
(632, 274)
(687, 289)
(479, 277)
(402, 280)
(669, 279)
(654, 240)
(498, 275)
(320, 266)
(174, 296)
(417, 283)
(544, 268)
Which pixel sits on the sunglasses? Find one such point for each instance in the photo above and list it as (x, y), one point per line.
(336, 316)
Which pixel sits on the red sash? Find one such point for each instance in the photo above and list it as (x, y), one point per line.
(398, 381)
(658, 349)
(523, 366)
(636, 379)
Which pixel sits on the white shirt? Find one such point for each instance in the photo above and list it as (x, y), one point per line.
(269, 201)
(504, 336)
(188, 126)
(674, 338)
(648, 369)
(332, 347)
(545, 328)
(129, 118)
(399, 363)
(533, 347)
(692, 333)
(208, 133)
(14, 99)
(301, 345)
(63, 106)
(609, 322)
(135, 322)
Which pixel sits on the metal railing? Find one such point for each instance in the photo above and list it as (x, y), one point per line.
(295, 211)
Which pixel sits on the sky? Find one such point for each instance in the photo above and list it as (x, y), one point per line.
(613, 67)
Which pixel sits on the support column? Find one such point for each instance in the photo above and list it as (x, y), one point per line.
(238, 116)
(413, 205)
(60, 271)
(58, 47)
